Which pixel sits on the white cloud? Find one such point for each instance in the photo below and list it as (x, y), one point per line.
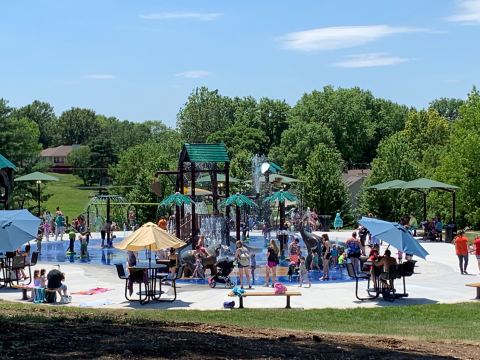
(369, 60)
(468, 11)
(101, 76)
(181, 16)
(339, 37)
(193, 74)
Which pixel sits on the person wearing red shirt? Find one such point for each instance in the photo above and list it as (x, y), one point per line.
(476, 245)
(461, 249)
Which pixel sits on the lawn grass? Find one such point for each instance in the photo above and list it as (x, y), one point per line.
(67, 195)
(427, 322)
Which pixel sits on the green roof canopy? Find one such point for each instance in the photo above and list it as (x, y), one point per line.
(387, 185)
(423, 183)
(204, 153)
(36, 176)
(5, 163)
(220, 178)
(274, 168)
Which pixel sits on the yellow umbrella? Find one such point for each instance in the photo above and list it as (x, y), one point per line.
(150, 236)
(198, 191)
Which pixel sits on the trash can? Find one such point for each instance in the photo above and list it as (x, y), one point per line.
(450, 232)
(324, 222)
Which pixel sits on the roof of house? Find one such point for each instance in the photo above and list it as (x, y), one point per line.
(59, 151)
(202, 153)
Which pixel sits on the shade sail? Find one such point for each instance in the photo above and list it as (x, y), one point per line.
(423, 183)
(220, 178)
(36, 176)
(5, 163)
(387, 185)
(150, 236)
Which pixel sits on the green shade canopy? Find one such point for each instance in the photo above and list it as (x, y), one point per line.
(36, 176)
(423, 183)
(220, 178)
(239, 200)
(274, 168)
(281, 196)
(5, 163)
(177, 199)
(387, 185)
(202, 153)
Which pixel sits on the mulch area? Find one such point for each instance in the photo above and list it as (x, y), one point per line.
(88, 337)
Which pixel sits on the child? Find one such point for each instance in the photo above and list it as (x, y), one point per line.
(253, 266)
(71, 237)
(36, 278)
(83, 245)
(43, 278)
(400, 256)
(334, 255)
(173, 261)
(302, 270)
(341, 259)
(293, 269)
(198, 272)
(38, 240)
(314, 265)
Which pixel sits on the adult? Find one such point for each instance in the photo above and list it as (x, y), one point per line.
(326, 254)
(386, 261)
(354, 251)
(162, 224)
(461, 249)
(59, 224)
(313, 219)
(438, 229)
(362, 234)
(55, 280)
(272, 262)
(476, 250)
(105, 233)
(242, 255)
(413, 223)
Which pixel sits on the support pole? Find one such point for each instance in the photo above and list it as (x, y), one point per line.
(237, 218)
(39, 194)
(227, 194)
(194, 216)
(424, 206)
(453, 207)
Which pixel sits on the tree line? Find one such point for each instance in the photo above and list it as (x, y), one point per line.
(325, 132)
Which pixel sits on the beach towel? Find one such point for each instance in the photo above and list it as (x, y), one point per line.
(96, 303)
(91, 291)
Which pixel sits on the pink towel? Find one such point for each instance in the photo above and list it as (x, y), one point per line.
(91, 291)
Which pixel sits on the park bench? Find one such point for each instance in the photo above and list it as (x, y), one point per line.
(37, 298)
(475, 285)
(287, 294)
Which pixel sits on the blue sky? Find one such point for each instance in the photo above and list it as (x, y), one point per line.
(139, 60)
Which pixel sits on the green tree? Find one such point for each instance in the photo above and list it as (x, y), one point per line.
(447, 107)
(43, 115)
(204, 113)
(79, 158)
(324, 188)
(135, 170)
(241, 165)
(395, 161)
(297, 143)
(123, 134)
(103, 155)
(78, 126)
(458, 165)
(241, 137)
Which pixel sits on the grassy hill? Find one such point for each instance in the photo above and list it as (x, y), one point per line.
(67, 195)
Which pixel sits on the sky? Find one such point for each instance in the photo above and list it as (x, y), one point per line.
(139, 60)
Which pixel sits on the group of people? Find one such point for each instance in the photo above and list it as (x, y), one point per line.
(463, 249)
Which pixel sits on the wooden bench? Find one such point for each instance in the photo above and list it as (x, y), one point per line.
(24, 289)
(287, 294)
(475, 285)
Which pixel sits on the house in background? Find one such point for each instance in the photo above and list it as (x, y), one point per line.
(354, 179)
(57, 156)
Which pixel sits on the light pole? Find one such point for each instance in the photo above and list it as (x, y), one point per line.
(38, 193)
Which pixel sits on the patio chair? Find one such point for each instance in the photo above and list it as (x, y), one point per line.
(18, 263)
(360, 276)
(388, 285)
(33, 262)
(173, 280)
(122, 275)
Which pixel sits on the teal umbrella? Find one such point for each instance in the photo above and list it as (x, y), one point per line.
(281, 196)
(38, 177)
(177, 199)
(239, 200)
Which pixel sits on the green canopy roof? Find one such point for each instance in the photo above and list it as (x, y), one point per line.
(36, 176)
(387, 185)
(203, 153)
(239, 200)
(281, 196)
(220, 178)
(274, 168)
(5, 163)
(423, 183)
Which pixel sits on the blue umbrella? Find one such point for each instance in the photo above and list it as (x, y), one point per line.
(16, 228)
(395, 235)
